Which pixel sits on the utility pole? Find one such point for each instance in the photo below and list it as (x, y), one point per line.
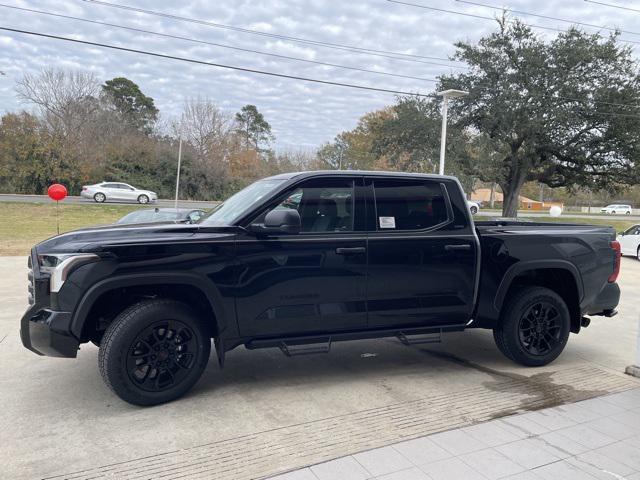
(178, 175)
(446, 95)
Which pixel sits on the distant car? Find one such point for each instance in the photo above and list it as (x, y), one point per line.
(161, 215)
(123, 192)
(630, 241)
(474, 207)
(615, 209)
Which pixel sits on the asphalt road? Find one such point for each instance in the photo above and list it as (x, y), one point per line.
(265, 413)
(79, 200)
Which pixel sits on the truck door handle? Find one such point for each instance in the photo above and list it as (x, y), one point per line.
(349, 250)
(451, 248)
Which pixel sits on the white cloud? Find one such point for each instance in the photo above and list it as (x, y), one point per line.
(302, 114)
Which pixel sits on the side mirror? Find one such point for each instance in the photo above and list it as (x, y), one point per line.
(280, 221)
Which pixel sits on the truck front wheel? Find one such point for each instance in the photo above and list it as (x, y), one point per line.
(534, 326)
(154, 352)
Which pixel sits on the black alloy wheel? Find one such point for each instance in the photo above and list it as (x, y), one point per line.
(154, 351)
(539, 329)
(534, 326)
(162, 355)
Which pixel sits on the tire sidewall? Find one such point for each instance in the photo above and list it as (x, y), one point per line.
(99, 195)
(116, 345)
(141, 197)
(511, 321)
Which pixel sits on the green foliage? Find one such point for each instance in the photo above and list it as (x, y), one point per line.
(561, 113)
(253, 128)
(131, 103)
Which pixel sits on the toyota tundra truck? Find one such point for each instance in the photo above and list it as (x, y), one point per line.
(301, 260)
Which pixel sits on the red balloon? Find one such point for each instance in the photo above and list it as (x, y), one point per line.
(57, 192)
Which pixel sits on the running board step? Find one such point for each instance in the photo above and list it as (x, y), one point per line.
(307, 349)
(419, 339)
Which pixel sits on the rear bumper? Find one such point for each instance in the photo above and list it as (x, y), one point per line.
(46, 332)
(606, 301)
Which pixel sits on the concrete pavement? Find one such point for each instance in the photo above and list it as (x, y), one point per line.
(593, 439)
(265, 413)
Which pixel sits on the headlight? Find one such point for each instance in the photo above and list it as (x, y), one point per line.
(59, 265)
(49, 261)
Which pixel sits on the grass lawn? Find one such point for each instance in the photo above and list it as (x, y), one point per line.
(24, 224)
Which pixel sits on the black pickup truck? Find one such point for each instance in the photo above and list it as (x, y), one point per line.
(300, 260)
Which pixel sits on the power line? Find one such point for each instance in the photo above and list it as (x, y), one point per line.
(177, 37)
(613, 6)
(483, 17)
(212, 64)
(337, 46)
(263, 72)
(520, 12)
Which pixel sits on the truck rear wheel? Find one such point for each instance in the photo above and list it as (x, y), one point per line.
(154, 352)
(534, 326)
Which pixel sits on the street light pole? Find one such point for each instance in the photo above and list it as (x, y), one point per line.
(178, 174)
(446, 95)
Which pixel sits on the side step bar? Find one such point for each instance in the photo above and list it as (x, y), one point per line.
(419, 339)
(305, 349)
(309, 344)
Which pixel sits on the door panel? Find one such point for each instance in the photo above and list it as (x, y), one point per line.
(422, 266)
(312, 282)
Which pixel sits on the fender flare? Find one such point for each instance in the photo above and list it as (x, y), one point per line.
(527, 266)
(87, 301)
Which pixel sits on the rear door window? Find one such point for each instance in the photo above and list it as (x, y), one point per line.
(409, 204)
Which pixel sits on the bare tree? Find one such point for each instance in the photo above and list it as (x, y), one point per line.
(66, 99)
(207, 129)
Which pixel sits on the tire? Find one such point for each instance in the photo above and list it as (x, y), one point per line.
(474, 210)
(99, 197)
(638, 254)
(534, 326)
(154, 352)
(627, 213)
(143, 199)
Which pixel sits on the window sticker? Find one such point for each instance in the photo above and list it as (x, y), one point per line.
(387, 222)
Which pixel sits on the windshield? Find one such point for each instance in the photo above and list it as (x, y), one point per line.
(148, 216)
(231, 210)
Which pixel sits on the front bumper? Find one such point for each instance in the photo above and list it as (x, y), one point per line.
(46, 332)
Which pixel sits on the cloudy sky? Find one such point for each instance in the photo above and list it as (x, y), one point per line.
(303, 115)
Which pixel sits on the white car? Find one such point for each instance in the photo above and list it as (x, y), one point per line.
(122, 192)
(630, 241)
(616, 209)
(474, 207)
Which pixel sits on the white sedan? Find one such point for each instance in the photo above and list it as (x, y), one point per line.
(630, 241)
(122, 192)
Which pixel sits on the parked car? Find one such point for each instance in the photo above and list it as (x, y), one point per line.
(123, 192)
(616, 209)
(162, 215)
(301, 260)
(630, 241)
(474, 207)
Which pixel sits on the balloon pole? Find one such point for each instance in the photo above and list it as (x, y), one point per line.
(57, 192)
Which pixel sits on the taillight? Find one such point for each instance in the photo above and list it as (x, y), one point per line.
(615, 245)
